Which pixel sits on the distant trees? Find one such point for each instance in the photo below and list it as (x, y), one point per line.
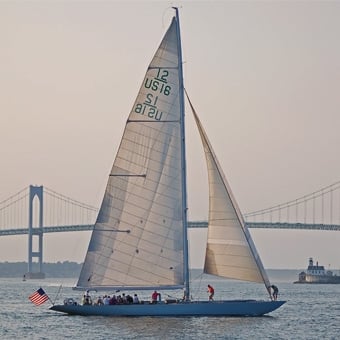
(59, 269)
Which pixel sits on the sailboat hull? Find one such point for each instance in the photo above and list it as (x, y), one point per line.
(202, 308)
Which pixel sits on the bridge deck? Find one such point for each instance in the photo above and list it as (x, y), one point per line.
(191, 224)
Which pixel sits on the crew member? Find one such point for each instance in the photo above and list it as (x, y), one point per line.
(211, 292)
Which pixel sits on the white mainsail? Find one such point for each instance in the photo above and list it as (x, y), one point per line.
(137, 239)
(230, 250)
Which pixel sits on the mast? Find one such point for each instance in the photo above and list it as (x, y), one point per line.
(183, 154)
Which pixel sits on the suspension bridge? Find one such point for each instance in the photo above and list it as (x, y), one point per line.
(36, 210)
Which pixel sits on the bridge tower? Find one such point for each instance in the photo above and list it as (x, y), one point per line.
(35, 233)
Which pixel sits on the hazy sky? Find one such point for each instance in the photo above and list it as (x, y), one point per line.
(264, 77)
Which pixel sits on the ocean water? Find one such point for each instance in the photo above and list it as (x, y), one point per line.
(311, 312)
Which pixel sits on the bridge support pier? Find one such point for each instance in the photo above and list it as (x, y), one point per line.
(35, 271)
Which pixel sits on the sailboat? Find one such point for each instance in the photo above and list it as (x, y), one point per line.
(139, 241)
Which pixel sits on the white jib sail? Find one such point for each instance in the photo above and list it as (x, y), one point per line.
(138, 236)
(230, 250)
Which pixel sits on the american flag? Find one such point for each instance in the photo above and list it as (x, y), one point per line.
(38, 297)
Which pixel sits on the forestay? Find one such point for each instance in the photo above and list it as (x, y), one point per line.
(137, 239)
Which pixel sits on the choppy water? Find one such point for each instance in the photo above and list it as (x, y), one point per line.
(311, 312)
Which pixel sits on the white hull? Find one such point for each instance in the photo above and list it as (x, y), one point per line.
(216, 308)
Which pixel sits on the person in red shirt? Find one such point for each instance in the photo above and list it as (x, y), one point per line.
(211, 292)
(154, 297)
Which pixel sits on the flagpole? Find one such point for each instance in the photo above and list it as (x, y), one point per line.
(56, 295)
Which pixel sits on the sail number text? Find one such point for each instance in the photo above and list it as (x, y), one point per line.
(158, 85)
